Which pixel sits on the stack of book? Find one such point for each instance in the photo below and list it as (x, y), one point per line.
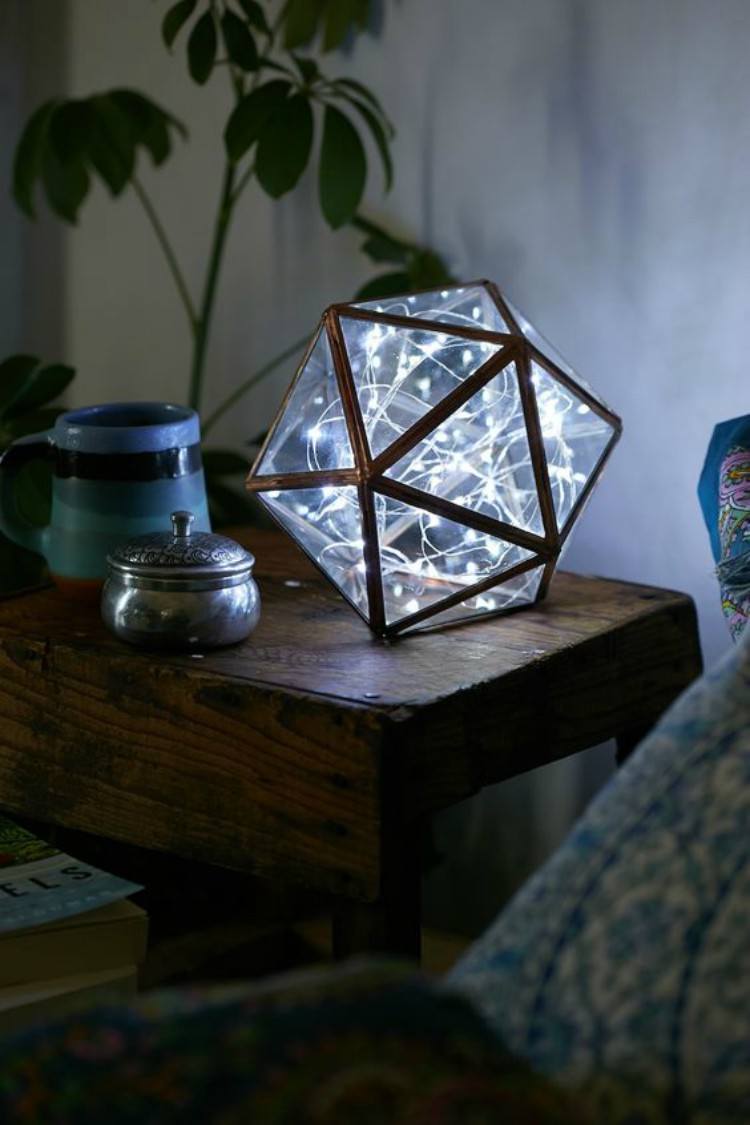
(69, 939)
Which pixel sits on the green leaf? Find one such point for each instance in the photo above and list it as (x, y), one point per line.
(257, 441)
(386, 285)
(150, 124)
(15, 374)
(271, 64)
(301, 19)
(45, 384)
(308, 69)
(426, 269)
(27, 164)
(111, 147)
(362, 92)
(33, 490)
(382, 248)
(202, 46)
(156, 139)
(66, 184)
(175, 19)
(239, 41)
(255, 15)
(224, 462)
(69, 130)
(33, 423)
(227, 506)
(379, 136)
(341, 15)
(284, 146)
(368, 227)
(250, 115)
(343, 168)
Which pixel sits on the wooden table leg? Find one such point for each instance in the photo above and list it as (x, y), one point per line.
(391, 924)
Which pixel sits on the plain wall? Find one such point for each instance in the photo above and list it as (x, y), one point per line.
(589, 155)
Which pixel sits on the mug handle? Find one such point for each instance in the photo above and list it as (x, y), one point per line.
(12, 521)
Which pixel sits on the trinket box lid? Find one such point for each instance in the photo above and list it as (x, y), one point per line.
(181, 553)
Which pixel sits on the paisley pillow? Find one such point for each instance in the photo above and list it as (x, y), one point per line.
(622, 968)
(724, 493)
(360, 1044)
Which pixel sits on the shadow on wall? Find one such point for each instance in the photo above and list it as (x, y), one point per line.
(489, 845)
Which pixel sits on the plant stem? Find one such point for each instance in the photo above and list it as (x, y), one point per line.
(252, 381)
(169, 253)
(223, 219)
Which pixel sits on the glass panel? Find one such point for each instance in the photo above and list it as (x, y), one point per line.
(521, 590)
(327, 523)
(543, 345)
(425, 558)
(468, 305)
(479, 458)
(574, 439)
(311, 434)
(401, 373)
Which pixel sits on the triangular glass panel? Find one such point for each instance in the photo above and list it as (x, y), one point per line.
(479, 458)
(574, 439)
(518, 591)
(468, 305)
(542, 345)
(311, 435)
(327, 523)
(425, 558)
(401, 373)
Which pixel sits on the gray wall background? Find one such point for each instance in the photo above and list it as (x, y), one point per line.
(590, 155)
(33, 58)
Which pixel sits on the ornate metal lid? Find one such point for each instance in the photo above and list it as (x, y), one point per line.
(181, 554)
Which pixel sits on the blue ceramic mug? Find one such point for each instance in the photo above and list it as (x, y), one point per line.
(119, 470)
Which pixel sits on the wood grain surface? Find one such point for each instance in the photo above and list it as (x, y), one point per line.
(295, 753)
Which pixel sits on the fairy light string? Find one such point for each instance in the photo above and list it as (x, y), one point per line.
(479, 459)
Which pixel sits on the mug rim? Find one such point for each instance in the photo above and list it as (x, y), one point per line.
(172, 425)
(73, 417)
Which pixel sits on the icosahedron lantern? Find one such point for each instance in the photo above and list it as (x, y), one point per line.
(432, 455)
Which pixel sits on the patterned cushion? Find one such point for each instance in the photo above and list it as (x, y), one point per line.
(724, 493)
(364, 1044)
(623, 967)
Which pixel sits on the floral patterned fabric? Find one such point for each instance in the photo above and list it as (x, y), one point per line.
(724, 492)
(354, 1046)
(622, 969)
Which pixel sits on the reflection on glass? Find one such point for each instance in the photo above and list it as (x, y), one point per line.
(401, 373)
(479, 458)
(574, 439)
(469, 306)
(327, 523)
(425, 557)
(311, 434)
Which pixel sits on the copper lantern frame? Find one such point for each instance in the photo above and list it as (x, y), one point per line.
(368, 474)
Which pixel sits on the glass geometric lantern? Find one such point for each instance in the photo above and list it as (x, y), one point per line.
(432, 455)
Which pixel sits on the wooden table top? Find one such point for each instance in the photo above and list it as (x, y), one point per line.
(290, 753)
(310, 641)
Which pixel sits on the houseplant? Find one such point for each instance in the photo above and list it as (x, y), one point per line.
(271, 54)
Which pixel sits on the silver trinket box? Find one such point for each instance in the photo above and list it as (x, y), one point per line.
(181, 590)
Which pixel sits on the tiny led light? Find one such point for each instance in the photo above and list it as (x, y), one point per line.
(432, 449)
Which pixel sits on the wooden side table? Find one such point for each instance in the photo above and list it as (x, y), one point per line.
(313, 752)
